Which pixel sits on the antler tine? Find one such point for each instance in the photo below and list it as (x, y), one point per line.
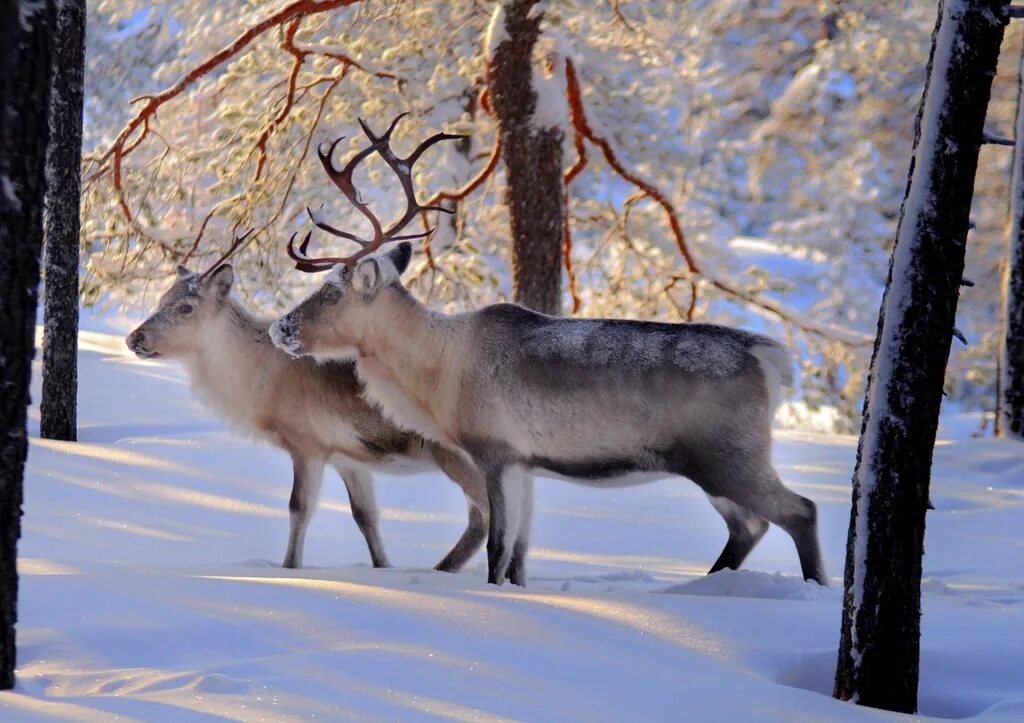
(324, 226)
(343, 180)
(403, 169)
(239, 240)
(303, 262)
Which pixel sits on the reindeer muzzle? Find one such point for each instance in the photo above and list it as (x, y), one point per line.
(136, 341)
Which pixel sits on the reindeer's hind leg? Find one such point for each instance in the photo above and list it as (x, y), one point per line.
(798, 516)
(765, 496)
(469, 478)
(308, 476)
(363, 503)
(747, 480)
(745, 531)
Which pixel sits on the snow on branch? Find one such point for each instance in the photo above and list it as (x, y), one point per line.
(474, 183)
(138, 127)
(695, 268)
(497, 33)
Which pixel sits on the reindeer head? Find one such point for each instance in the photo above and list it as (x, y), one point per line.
(330, 322)
(173, 330)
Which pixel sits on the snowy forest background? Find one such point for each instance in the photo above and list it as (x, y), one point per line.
(780, 130)
(739, 162)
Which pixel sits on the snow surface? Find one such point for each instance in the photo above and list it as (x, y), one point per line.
(151, 590)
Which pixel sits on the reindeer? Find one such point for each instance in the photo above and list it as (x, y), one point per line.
(313, 411)
(602, 402)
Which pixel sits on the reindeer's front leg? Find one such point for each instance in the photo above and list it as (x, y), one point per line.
(516, 573)
(505, 495)
(308, 476)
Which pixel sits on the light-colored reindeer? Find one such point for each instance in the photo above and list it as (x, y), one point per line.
(600, 402)
(313, 411)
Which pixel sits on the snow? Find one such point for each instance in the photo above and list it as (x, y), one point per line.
(151, 587)
(338, 51)
(497, 33)
(552, 109)
(10, 193)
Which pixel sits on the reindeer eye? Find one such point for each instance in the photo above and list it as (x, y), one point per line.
(332, 294)
(186, 309)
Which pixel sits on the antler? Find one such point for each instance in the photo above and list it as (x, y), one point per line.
(239, 240)
(343, 180)
(403, 169)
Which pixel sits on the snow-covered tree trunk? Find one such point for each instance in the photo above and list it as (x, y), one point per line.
(25, 60)
(880, 636)
(1010, 406)
(532, 151)
(58, 406)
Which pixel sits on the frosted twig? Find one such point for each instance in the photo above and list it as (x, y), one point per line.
(695, 268)
(140, 123)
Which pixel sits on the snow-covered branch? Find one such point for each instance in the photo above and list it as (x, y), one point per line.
(696, 268)
(126, 141)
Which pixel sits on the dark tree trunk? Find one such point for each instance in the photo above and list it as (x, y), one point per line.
(25, 59)
(58, 407)
(880, 638)
(533, 163)
(1010, 405)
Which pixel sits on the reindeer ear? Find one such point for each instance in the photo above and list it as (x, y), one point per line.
(367, 276)
(220, 281)
(400, 256)
(183, 272)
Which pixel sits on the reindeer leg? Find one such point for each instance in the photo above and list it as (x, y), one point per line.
(308, 475)
(363, 503)
(517, 567)
(504, 493)
(745, 530)
(752, 485)
(466, 476)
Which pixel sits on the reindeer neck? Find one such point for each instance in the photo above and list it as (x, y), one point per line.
(235, 344)
(404, 350)
(404, 334)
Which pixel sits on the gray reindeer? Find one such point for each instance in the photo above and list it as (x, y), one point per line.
(314, 411)
(599, 402)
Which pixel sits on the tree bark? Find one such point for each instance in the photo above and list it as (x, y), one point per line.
(25, 62)
(1010, 406)
(58, 406)
(533, 163)
(880, 637)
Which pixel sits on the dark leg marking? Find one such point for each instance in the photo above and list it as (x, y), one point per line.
(363, 503)
(745, 531)
(496, 526)
(307, 475)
